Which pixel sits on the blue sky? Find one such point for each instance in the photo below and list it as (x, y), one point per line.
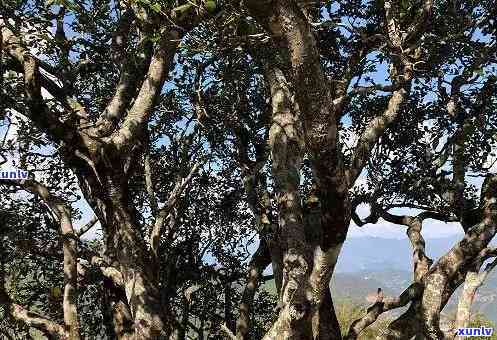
(432, 229)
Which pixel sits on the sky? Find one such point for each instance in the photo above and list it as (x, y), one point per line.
(431, 229)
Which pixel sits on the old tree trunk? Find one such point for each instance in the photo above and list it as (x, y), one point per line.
(306, 114)
(103, 155)
(312, 86)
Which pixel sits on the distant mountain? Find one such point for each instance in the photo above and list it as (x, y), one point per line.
(369, 263)
(377, 254)
(360, 288)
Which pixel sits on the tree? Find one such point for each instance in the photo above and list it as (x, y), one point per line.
(435, 173)
(319, 105)
(100, 142)
(191, 129)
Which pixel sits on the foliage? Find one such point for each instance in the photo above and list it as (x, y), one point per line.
(211, 110)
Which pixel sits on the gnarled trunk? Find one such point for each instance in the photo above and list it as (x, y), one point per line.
(305, 306)
(286, 144)
(449, 272)
(125, 248)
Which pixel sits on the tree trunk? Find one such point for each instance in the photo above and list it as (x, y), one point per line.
(259, 262)
(286, 144)
(308, 262)
(141, 286)
(449, 271)
(125, 247)
(306, 309)
(325, 322)
(471, 284)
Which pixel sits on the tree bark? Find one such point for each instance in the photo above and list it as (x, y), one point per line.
(305, 308)
(70, 300)
(259, 262)
(473, 281)
(475, 240)
(136, 266)
(471, 284)
(311, 264)
(448, 273)
(286, 145)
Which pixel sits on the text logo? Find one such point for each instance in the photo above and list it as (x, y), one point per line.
(475, 331)
(13, 174)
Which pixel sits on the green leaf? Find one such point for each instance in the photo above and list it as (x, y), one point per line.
(210, 6)
(154, 38)
(156, 7)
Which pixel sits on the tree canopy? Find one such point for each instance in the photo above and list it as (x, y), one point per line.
(181, 154)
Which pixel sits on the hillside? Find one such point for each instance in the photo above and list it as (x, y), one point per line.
(369, 263)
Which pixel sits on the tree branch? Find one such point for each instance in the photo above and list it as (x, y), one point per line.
(84, 229)
(19, 54)
(178, 189)
(378, 125)
(29, 318)
(372, 218)
(69, 241)
(149, 184)
(144, 103)
(372, 133)
(260, 260)
(130, 75)
(472, 283)
(380, 306)
(38, 111)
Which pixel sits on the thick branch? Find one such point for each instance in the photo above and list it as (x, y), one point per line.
(144, 103)
(421, 262)
(69, 241)
(381, 306)
(130, 75)
(260, 260)
(374, 130)
(31, 319)
(463, 253)
(472, 283)
(16, 51)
